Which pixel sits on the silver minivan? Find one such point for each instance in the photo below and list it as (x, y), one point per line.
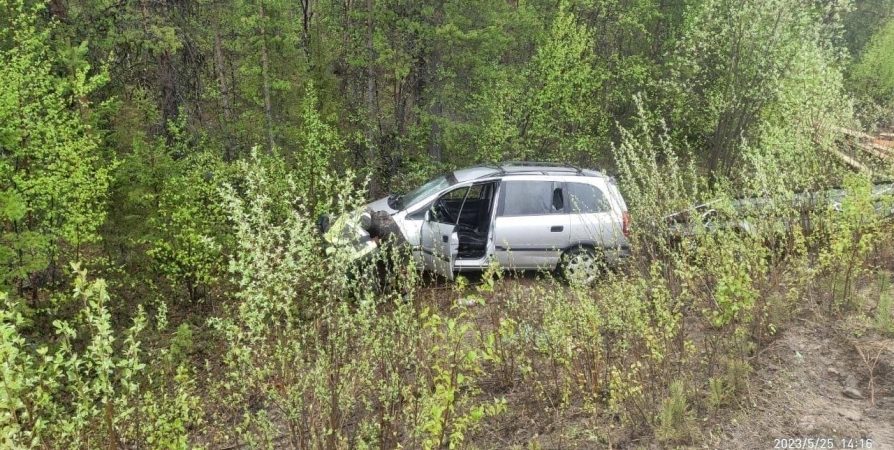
(523, 215)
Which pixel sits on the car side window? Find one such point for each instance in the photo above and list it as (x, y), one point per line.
(476, 192)
(530, 198)
(420, 213)
(585, 198)
(447, 207)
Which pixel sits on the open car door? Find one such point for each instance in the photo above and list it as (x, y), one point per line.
(439, 240)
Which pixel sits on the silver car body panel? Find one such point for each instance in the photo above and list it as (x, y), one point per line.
(381, 205)
(439, 244)
(531, 242)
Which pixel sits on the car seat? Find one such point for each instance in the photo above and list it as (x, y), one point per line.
(473, 240)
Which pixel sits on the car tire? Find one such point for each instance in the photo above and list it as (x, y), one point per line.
(581, 266)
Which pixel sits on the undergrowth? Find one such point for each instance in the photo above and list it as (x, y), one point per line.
(303, 356)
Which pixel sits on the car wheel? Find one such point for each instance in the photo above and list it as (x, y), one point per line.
(581, 266)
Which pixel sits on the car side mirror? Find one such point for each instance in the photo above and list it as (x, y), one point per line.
(428, 215)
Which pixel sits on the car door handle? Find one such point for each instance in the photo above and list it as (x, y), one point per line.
(445, 238)
(556, 229)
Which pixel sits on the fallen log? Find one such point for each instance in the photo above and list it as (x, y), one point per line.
(849, 132)
(853, 163)
(877, 150)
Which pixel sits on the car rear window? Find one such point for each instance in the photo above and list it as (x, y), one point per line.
(585, 198)
(529, 198)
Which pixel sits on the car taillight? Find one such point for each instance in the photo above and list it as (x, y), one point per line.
(625, 228)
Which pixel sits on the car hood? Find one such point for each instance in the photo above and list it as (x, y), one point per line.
(381, 205)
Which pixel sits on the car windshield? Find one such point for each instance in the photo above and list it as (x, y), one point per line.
(424, 191)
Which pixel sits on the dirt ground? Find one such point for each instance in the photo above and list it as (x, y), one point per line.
(812, 382)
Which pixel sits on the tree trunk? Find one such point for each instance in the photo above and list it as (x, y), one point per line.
(224, 92)
(58, 10)
(170, 97)
(370, 97)
(265, 75)
(435, 85)
(167, 82)
(307, 15)
(434, 135)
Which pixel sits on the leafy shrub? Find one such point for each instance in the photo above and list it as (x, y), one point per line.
(187, 234)
(87, 391)
(656, 180)
(446, 413)
(873, 77)
(54, 181)
(749, 68)
(731, 261)
(851, 227)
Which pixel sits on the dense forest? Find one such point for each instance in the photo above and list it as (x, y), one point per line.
(162, 163)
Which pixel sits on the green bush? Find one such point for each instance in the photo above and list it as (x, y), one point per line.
(851, 230)
(873, 77)
(54, 178)
(94, 388)
(188, 235)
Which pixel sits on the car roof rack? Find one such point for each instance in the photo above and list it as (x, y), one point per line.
(508, 168)
(495, 165)
(542, 164)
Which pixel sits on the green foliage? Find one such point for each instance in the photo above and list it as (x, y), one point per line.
(851, 230)
(54, 182)
(717, 392)
(741, 64)
(675, 421)
(275, 257)
(320, 144)
(286, 321)
(732, 261)
(187, 232)
(873, 75)
(125, 137)
(565, 117)
(88, 391)
(795, 133)
(605, 349)
(166, 232)
(875, 71)
(864, 20)
(655, 180)
(181, 345)
(449, 412)
(736, 373)
(295, 341)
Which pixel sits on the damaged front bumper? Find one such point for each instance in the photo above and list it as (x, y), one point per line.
(348, 233)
